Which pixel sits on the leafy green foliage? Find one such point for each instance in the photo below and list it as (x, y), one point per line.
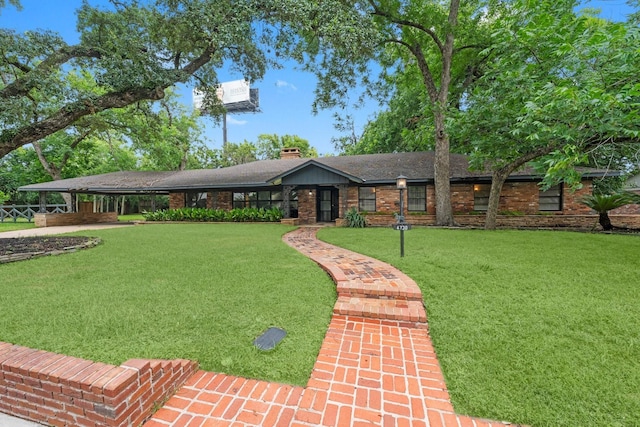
(132, 51)
(215, 215)
(355, 219)
(555, 87)
(602, 203)
(269, 146)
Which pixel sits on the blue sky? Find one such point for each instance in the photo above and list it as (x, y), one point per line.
(286, 95)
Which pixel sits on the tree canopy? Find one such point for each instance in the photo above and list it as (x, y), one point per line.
(133, 51)
(436, 40)
(555, 87)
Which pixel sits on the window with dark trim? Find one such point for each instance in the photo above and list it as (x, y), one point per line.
(367, 199)
(263, 199)
(417, 198)
(481, 196)
(195, 200)
(551, 199)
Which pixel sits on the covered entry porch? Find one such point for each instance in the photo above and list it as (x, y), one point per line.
(323, 192)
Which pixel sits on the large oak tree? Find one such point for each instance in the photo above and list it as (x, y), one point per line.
(433, 38)
(133, 50)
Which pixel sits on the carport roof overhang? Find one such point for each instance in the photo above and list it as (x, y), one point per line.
(115, 183)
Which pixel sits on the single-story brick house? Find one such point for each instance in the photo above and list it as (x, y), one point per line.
(312, 190)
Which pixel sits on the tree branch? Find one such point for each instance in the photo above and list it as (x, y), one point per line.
(50, 168)
(10, 139)
(23, 85)
(447, 52)
(377, 11)
(470, 46)
(18, 65)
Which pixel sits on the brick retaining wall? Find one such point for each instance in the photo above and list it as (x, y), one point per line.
(514, 221)
(76, 218)
(59, 390)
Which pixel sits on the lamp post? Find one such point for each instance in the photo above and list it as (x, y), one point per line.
(401, 184)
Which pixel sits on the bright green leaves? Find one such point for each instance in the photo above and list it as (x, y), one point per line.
(269, 146)
(131, 51)
(553, 79)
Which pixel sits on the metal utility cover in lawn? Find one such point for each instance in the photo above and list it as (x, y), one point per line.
(269, 339)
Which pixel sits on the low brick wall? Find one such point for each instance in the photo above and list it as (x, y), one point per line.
(509, 221)
(290, 221)
(59, 390)
(76, 218)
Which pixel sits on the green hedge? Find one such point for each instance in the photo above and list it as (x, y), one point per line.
(215, 215)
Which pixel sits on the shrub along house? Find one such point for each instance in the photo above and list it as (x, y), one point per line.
(324, 189)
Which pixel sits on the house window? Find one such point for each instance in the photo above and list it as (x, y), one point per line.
(262, 199)
(195, 200)
(417, 198)
(551, 199)
(481, 196)
(238, 200)
(367, 199)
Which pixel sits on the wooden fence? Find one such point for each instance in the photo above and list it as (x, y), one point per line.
(15, 212)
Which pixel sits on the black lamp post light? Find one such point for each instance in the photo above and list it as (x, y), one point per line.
(401, 225)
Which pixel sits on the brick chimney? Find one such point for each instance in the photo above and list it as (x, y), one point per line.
(290, 153)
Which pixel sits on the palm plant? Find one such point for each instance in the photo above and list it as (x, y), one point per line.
(603, 203)
(355, 219)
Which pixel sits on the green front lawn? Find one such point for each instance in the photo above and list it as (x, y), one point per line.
(199, 291)
(9, 225)
(532, 327)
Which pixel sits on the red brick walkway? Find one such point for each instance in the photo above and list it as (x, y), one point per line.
(376, 366)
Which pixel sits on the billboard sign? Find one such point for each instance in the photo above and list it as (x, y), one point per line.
(198, 98)
(235, 96)
(234, 92)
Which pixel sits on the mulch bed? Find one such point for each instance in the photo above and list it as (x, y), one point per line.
(19, 248)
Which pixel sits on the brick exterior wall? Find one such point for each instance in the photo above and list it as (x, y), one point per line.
(571, 200)
(517, 197)
(633, 209)
(176, 200)
(626, 210)
(461, 198)
(307, 207)
(388, 199)
(76, 218)
(58, 390)
(223, 200)
(352, 198)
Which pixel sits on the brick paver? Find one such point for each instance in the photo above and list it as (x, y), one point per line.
(376, 366)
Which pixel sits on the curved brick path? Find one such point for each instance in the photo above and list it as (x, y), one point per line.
(376, 366)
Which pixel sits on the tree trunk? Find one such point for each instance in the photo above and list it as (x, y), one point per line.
(605, 222)
(68, 201)
(54, 172)
(498, 179)
(444, 211)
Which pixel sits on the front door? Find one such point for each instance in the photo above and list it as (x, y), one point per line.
(328, 207)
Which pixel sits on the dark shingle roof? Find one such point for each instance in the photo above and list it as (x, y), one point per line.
(367, 168)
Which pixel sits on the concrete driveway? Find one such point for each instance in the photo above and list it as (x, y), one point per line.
(44, 231)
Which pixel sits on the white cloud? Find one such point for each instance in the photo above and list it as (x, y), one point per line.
(233, 121)
(284, 84)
